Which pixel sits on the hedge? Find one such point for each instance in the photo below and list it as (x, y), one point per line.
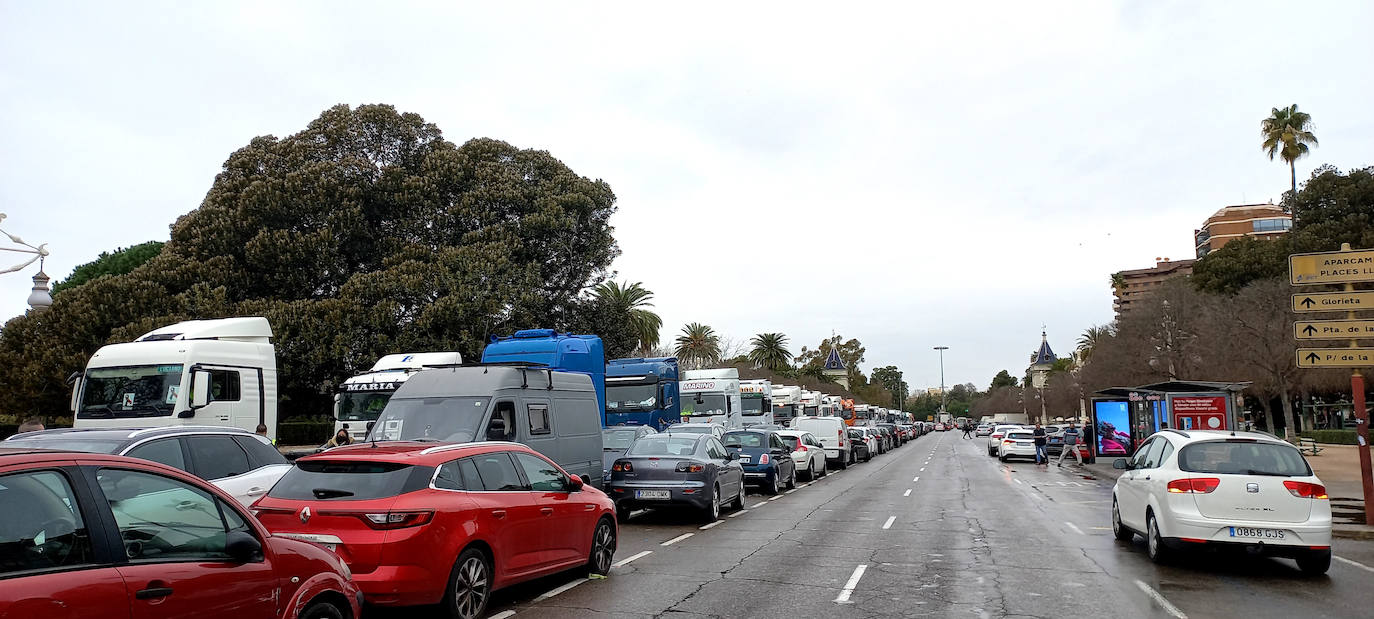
(305, 432)
(1331, 437)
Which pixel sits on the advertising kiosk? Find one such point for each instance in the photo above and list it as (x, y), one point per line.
(1123, 417)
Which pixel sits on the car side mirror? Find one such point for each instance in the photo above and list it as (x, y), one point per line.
(1121, 463)
(732, 456)
(242, 547)
(577, 483)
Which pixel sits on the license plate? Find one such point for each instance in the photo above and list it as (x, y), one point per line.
(1251, 532)
(744, 458)
(652, 494)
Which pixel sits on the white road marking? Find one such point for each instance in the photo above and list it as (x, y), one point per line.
(792, 490)
(915, 479)
(1354, 563)
(1016, 480)
(775, 498)
(849, 585)
(757, 505)
(503, 614)
(1159, 599)
(923, 469)
(678, 538)
(1075, 528)
(804, 485)
(890, 520)
(558, 590)
(707, 526)
(632, 558)
(907, 493)
(738, 513)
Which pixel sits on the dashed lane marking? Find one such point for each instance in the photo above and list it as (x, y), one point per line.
(915, 479)
(707, 526)
(890, 520)
(1075, 528)
(792, 490)
(680, 538)
(1160, 600)
(923, 469)
(632, 557)
(561, 589)
(758, 505)
(503, 614)
(907, 493)
(1354, 563)
(1016, 480)
(849, 585)
(775, 498)
(738, 513)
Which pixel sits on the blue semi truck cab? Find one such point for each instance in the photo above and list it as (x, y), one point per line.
(643, 392)
(559, 351)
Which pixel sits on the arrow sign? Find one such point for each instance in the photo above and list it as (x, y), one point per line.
(1335, 357)
(1333, 329)
(1331, 267)
(1333, 301)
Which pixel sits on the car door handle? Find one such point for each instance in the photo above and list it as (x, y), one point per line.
(588, 507)
(153, 593)
(255, 491)
(498, 513)
(547, 511)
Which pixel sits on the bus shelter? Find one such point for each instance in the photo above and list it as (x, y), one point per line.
(1123, 417)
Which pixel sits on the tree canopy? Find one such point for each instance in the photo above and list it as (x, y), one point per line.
(117, 262)
(366, 233)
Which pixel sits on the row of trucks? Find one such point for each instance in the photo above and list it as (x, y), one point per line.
(226, 369)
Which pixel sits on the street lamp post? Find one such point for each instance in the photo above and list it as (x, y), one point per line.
(942, 350)
(39, 297)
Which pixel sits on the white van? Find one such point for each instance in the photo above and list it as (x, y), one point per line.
(833, 434)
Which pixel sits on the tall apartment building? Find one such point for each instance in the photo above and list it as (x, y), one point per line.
(1132, 286)
(1233, 222)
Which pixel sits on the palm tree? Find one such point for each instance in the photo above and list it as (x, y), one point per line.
(770, 351)
(1091, 337)
(698, 344)
(632, 298)
(1286, 133)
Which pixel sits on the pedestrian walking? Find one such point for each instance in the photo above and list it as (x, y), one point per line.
(1070, 445)
(1039, 434)
(968, 431)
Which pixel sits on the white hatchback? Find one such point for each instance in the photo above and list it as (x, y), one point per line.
(1189, 489)
(807, 453)
(1017, 443)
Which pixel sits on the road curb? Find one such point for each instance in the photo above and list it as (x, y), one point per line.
(1353, 532)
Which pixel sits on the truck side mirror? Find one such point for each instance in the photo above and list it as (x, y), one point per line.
(75, 382)
(200, 391)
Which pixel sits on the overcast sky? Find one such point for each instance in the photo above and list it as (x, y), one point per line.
(907, 175)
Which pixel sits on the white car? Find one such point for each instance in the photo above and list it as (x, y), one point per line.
(1017, 443)
(983, 429)
(807, 453)
(1209, 487)
(241, 463)
(995, 438)
(832, 432)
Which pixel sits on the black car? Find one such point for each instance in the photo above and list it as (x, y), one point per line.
(684, 469)
(615, 440)
(856, 438)
(893, 438)
(766, 459)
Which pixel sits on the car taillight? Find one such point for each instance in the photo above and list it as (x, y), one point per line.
(1304, 490)
(1199, 485)
(622, 466)
(763, 459)
(1008, 442)
(689, 467)
(801, 448)
(396, 520)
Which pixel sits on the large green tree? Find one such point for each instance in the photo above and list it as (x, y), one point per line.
(1002, 379)
(633, 299)
(891, 379)
(698, 345)
(769, 350)
(117, 262)
(1287, 134)
(365, 233)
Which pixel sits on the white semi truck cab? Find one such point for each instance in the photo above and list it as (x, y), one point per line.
(757, 398)
(360, 399)
(219, 372)
(712, 396)
(786, 404)
(811, 403)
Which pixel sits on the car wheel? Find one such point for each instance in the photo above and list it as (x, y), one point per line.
(792, 479)
(1120, 530)
(738, 503)
(469, 585)
(825, 468)
(1315, 562)
(772, 487)
(622, 513)
(844, 463)
(1002, 458)
(712, 512)
(326, 610)
(603, 547)
(1159, 553)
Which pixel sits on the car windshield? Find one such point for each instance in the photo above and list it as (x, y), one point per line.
(362, 405)
(664, 445)
(134, 391)
(745, 439)
(622, 398)
(67, 442)
(753, 406)
(453, 419)
(618, 438)
(703, 404)
(690, 429)
(1243, 457)
(350, 481)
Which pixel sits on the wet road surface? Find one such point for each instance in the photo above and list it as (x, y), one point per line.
(935, 528)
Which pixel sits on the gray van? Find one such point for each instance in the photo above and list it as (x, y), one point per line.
(555, 413)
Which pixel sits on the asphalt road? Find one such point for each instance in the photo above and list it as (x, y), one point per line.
(934, 528)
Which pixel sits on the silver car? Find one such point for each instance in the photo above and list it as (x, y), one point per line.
(677, 469)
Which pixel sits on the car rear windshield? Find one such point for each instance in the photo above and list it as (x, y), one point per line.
(664, 446)
(322, 480)
(1019, 435)
(1243, 457)
(618, 439)
(745, 439)
(791, 441)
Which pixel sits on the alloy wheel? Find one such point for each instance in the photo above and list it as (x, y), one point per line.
(603, 547)
(471, 588)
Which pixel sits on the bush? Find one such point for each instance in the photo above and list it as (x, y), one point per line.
(1331, 437)
(313, 432)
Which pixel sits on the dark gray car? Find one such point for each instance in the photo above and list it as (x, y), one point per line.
(677, 469)
(615, 440)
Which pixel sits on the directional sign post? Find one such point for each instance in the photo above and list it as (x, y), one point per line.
(1346, 266)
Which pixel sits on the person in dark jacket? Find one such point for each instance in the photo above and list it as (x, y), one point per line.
(1039, 434)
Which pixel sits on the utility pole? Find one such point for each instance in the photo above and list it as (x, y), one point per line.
(942, 350)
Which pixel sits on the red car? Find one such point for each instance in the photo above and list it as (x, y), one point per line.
(425, 523)
(94, 535)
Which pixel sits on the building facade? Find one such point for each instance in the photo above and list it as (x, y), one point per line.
(1130, 287)
(1233, 222)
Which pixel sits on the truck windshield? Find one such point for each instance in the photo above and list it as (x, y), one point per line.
(753, 406)
(452, 420)
(134, 391)
(784, 411)
(362, 405)
(811, 410)
(631, 397)
(703, 404)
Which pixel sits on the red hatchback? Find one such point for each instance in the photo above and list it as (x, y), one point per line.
(93, 535)
(426, 523)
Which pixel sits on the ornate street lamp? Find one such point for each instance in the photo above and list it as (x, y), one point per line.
(40, 298)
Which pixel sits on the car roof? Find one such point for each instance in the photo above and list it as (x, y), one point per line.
(1212, 435)
(127, 434)
(413, 452)
(696, 424)
(24, 455)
